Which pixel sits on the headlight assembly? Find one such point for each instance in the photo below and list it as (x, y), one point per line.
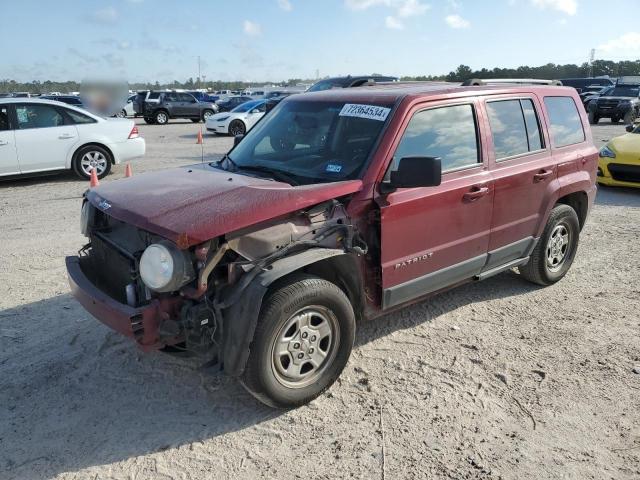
(606, 152)
(165, 268)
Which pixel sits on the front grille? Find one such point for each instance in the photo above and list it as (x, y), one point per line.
(625, 173)
(608, 104)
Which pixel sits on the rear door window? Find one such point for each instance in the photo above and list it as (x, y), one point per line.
(78, 118)
(514, 127)
(4, 118)
(566, 124)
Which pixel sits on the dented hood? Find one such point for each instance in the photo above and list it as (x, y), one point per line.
(190, 205)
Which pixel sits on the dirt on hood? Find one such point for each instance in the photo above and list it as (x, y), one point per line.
(190, 205)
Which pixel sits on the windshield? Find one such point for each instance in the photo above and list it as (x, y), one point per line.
(313, 142)
(624, 92)
(245, 107)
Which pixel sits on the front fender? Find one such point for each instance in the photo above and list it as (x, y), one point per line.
(241, 317)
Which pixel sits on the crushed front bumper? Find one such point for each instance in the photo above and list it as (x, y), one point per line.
(142, 324)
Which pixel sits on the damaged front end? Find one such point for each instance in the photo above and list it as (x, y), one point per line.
(203, 300)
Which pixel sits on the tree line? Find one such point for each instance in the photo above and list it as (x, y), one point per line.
(549, 71)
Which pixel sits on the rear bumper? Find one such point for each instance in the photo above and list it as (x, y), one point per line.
(141, 324)
(128, 150)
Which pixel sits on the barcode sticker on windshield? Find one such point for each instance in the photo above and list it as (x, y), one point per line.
(371, 112)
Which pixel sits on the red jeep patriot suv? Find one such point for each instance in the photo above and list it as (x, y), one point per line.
(337, 207)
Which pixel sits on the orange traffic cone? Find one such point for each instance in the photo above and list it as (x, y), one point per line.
(127, 171)
(94, 182)
(199, 141)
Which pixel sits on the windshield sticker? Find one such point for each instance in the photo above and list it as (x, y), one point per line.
(371, 112)
(332, 168)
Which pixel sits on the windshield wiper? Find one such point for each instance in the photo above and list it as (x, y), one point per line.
(276, 174)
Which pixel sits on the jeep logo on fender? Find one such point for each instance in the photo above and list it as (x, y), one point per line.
(420, 258)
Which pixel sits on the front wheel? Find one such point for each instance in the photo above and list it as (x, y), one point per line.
(206, 114)
(237, 127)
(195, 120)
(122, 114)
(302, 342)
(553, 255)
(92, 157)
(630, 117)
(593, 118)
(161, 117)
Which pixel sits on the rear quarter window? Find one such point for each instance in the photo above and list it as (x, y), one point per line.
(565, 122)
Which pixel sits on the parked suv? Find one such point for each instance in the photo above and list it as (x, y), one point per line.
(339, 206)
(619, 103)
(166, 105)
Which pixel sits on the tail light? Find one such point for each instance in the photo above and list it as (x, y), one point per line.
(134, 132)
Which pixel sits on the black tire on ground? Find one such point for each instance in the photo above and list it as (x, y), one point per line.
(86, 153)
(206, 114)
(149, 120)
(545, 266)
(615, 119)
(293, 305)
(593, 118)
(195, 120)
(237, 127)
(630, 117)
(161, 117)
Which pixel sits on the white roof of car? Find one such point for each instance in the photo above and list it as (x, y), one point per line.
(57, 103)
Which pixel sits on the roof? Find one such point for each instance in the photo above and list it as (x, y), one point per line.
(30, 100)
(394, 91)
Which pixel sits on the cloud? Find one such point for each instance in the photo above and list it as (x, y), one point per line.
(106, 16)
(627, 43)
(285, 5)
(456, 21)
(570, 7)
(393, 23)
(251, 28)
(112, 42)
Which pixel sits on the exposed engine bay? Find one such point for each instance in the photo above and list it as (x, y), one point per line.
(197, 285)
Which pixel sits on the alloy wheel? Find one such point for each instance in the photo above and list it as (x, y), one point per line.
(93, 160)
(558, 247)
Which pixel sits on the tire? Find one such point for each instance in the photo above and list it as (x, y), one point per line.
(122, 114)
(92, 156)
(148, 120)
(206, 114)
(195, 120)
(161, 117)
(593, 118)
(237, 127)
(630, 117)
(310, 316)
(548, 262)
(615, 119)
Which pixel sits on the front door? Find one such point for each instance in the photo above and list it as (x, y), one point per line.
(8, 154)
(43, 140)
(435, 237)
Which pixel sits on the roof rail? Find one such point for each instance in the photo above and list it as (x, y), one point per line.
(510, 81)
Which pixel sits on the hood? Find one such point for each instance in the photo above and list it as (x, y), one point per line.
(190, 205)
(626, 144)
(626, 99)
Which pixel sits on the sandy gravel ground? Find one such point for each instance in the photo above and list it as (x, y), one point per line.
(499, 379)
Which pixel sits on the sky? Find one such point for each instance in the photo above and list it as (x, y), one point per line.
(257, 40)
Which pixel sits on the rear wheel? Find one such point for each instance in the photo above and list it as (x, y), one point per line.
(206, 114)
(556, 249)
(302, 342)
(630, 117)
(237, 127)
(89, 158)
(161, 117)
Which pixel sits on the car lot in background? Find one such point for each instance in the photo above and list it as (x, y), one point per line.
(239, 120)
(38, 136)
(128, 110)
(167, 105)
(68, 99)
(622, 102)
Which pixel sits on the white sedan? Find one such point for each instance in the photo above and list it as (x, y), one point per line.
(239, 120)
(38, 136)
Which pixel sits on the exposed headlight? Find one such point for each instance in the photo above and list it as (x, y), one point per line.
(165, 268)
(606, 152)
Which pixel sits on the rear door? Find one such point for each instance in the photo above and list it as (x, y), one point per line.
(523, 171)
(8, 153)
(434, 237)
(44, 138)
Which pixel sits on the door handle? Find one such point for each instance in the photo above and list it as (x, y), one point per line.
(475, 194)
(538, 177)
(66, 136)
(3, 142)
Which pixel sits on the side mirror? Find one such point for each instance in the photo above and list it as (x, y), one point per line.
(629, 128)
(413, 172)
(237, 139)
